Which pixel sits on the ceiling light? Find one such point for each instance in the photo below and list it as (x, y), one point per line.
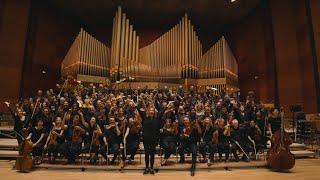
(233, 1)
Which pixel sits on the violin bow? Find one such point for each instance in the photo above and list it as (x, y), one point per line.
(254, 146)
(237, 143)
(34, 109)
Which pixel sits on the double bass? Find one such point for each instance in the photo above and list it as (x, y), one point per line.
(279, 157)
(24, 161)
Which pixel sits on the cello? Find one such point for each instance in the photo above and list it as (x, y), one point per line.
(279, 157)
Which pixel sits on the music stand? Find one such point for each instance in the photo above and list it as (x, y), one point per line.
(295, 108)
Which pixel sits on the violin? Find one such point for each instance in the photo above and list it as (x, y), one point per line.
(122, 125)
(215, 137)
(172, 128)
(95, 138)
(257, 133)
(136, 124)
(175, 127)
(188, 127)
(24, 161)
(76, 136)
(53, 136)
(227, 130)
(279, 157)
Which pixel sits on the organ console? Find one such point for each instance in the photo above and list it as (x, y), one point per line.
(174, 58)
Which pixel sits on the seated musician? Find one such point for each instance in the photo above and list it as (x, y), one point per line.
(223, 138)
(189, 136)
(93, 139)
(208, 114)
(238, 141)
(255, 136)
(47, 120)
(102, 119)
(74, 136)
(169, 137)
(55, 140)
(131, 139)
(206, 144)
(262, 121)
(111, 140)
(21, 122)
(37, 136)
(275, 120)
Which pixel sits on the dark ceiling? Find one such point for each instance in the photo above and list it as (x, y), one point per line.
(209, 17)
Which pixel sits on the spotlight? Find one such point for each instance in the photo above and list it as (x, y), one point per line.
(232, 1)
(44, 72)
(256, 77)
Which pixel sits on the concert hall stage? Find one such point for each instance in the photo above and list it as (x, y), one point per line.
(173, 166)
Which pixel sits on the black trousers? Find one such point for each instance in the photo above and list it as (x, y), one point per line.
(245, 147)
(186, 146)
(131, 149)
(112, 148)
(150, 149)
(88, 147)
(224, 148)
(38, 150)
(207, 147)
(54, 149)
(169, 147)
(71, 151)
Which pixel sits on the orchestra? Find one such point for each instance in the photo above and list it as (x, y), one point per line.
(115, 123)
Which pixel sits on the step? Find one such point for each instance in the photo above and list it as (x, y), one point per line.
(6, 143)
(4, 154)
(303, 153)
(293, 146)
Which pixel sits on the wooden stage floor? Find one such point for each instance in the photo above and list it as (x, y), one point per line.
(305, 169)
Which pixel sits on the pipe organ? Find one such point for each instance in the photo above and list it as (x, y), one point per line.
(218, 68)
(124, 49)
(87, 59)
(174, 58)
